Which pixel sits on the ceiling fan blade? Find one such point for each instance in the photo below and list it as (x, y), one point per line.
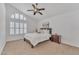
(40, 13)
(29, 10)
(42, 9)
(34, 13)
(36, 3)
(33, 6)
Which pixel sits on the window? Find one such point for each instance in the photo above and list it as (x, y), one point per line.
(21, 28)
(24, 18)
(16, 15)
(12, 24)
(25, 28)
(11, 28)
(12, 16)
(11, 31)
(17, 28)
(21, 17)
(18, 24)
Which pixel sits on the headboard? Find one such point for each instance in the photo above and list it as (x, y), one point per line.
(48, 29)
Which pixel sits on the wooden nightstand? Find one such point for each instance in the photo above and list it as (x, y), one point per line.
(56, 38)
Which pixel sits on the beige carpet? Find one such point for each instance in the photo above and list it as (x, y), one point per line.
(20, 47)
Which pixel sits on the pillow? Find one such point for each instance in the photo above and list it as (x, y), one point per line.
(45, 31)
(41, 31)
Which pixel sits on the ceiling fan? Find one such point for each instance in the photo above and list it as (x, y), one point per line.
(36, 9)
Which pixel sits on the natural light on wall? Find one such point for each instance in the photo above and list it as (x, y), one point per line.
(17, 24)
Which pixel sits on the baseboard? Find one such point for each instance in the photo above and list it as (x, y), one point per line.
(13, 40)
(1, 50)
(71, 44)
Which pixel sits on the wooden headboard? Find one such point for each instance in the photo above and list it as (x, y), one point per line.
(50, 30)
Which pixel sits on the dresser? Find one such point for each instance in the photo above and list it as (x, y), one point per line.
(56, 38)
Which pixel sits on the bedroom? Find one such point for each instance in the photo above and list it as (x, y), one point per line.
(62, 19)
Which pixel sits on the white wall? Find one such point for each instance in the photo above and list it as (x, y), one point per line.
(2, 27)
(66, 25)
(31, 24)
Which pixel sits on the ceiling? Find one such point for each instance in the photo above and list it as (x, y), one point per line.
(51, 9)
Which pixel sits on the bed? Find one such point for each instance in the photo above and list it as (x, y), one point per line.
(36, 38)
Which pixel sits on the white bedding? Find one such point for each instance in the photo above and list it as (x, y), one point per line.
(35, 38)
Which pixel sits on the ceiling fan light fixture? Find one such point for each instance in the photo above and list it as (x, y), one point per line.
(36, 9)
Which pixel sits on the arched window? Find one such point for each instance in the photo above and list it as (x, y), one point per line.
(18, 24)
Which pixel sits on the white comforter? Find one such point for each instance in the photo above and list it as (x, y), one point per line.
(35, 38)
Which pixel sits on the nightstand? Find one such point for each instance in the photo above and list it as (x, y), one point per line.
(56, 38)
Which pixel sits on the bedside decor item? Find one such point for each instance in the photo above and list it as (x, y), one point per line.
(45, 25)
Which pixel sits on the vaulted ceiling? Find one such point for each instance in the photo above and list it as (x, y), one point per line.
(51, 9)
